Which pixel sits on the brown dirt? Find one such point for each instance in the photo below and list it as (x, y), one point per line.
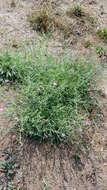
(38, 161)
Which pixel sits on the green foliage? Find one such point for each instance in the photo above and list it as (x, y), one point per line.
(9, 187)
(91, 19)
(55, 98)
(102, 33)
(45, 184)
(87, 44)
(12, 68)
(8, 168)
(100, 51)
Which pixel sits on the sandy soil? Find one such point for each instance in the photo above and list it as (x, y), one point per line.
(38, 161)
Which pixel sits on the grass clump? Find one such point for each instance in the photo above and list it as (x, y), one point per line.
(41, 19)
(54, 101)
(9, 169)
(45, 20)
(100, 51)
(102, 33)
(87, 44)
(91, 19)
(76, 11)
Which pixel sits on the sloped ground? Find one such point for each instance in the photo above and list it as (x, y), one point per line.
(38, 161)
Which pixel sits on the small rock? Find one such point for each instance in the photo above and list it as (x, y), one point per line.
(102, 9)
(78, 32)
(13, 4)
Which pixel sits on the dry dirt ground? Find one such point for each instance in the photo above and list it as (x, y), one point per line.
(38, 161)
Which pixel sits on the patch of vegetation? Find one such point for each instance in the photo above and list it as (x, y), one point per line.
(10, 187)
(45, 20)
(55, 99)
(100, 51)
(42, 19)
(76, 11)
(102, 33)
(91, 19)
(87, 44)
(12, 68)
(9, 168)
(45, 184)
(82, 16)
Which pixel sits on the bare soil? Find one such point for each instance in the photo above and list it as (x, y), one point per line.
(39, 161)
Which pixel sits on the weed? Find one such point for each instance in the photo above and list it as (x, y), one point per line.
(91, 19)
(76, 155)
(44, 184)
(81, 15)
(102, 33)
(76, 11)
(55, 99)
(45, 20)
(9, 168)
(8, 187)
(87, 44)
(100, 51)
(41, 19)
(12, 68)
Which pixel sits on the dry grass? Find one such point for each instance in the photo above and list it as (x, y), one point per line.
(41, 19)
(80, 13)
(44, 19)
(83, 21)
(76, 10)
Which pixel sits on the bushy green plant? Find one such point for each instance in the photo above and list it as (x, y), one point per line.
(8, 168)
(54, 101)
(12, 68)
(102, 33)
(100, 51)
